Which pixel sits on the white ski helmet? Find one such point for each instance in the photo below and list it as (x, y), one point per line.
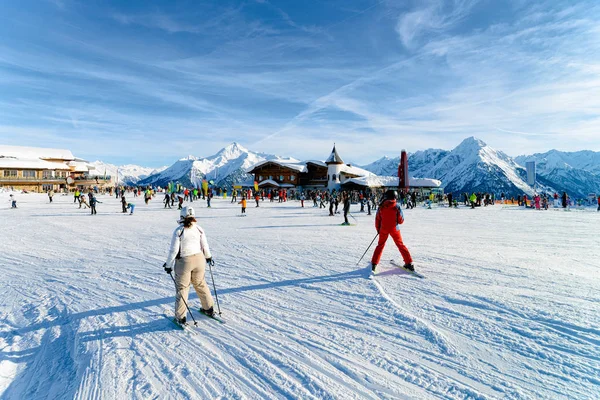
(186, 212)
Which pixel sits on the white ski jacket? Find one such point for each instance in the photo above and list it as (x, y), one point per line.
(190, 241)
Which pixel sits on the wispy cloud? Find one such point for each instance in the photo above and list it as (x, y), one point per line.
(432, 16)
(521, 77)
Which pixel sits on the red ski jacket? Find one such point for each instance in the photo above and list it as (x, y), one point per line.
(388, 216)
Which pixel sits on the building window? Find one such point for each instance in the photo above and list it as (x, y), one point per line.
(9, 173)
(292, 177)
(271, 177)
(281, 177)
(260, 178)
(47, 174)
(334, 177)
(46, 187)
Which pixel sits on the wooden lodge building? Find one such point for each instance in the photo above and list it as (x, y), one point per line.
(331, 174)
(38, 169)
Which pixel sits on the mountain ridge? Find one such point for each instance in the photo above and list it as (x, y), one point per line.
(470, 166)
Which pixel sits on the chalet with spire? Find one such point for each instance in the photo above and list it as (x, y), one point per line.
(331, 174)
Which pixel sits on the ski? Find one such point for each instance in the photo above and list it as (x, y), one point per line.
(218, 319)
(413, 273)
(183, 327)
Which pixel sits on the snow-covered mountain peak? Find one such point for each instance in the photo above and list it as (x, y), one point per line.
(470, 145)
(189, 158)
(232, 151)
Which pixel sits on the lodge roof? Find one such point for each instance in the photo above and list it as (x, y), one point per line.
(294, 165)
(31, 153)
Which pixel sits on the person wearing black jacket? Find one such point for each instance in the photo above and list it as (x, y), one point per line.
(124, 203)
(93, 202)
(346, 208)
(564, 199)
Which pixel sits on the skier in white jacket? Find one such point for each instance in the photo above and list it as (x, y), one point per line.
(189, 253)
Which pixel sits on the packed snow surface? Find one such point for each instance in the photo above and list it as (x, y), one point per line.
(509, 307)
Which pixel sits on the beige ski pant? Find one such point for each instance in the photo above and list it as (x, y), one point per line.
(191, 269)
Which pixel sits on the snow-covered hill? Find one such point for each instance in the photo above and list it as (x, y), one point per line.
(385, 166)
(577, 173)
(225, 168)
(128, 174)
(546, 162)
(472, 166)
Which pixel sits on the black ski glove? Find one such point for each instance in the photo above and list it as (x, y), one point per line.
(167, 270)
(210, 262)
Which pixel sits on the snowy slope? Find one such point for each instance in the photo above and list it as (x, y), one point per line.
(419, 163)
(385, 166)
(577, 173)
(546, 162)
(226, 167)
(472, 166)
(84, 319)
(128, 174)
(475, 166)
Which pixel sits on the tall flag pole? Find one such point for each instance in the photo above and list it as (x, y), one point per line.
(403, 183)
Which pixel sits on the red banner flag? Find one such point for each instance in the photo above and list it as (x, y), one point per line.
(403, 172)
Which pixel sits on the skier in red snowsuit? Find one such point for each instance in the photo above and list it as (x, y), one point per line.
(387, 222)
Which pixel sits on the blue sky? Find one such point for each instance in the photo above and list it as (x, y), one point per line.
(148, 82)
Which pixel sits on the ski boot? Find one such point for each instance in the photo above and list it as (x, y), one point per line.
(409, 266)
(209, 313)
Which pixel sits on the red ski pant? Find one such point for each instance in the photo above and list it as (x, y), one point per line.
(398, 240)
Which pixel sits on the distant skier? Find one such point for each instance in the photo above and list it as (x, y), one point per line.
(123, 204)
(50, 195)
(83, 202)
(346, 208)
(244, 204)
(188, 255)
(131, 207)
(180, 201)
(167, 200)
(387, 222)
(302, 198)
(13, 201)
(93, 204)
(257, 199)
(564, 199)
(473, 200)
(598, 203)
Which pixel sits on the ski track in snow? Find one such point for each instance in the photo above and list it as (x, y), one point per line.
(509, 308)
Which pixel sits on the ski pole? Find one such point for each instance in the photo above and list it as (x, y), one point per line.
(184, 302)
(353, 217)
(214, 287)
(368, 248)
